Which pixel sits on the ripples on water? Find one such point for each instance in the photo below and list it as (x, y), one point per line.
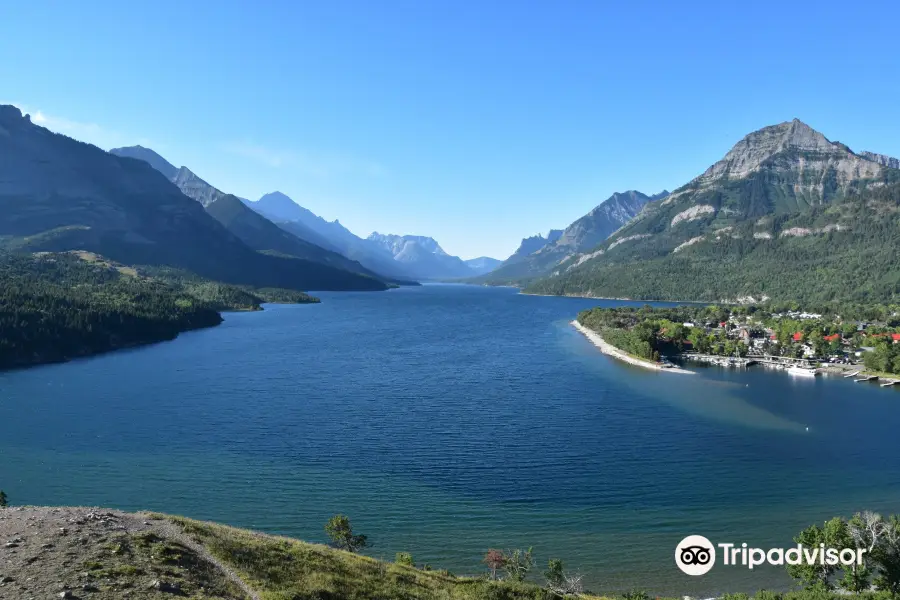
(446, 420)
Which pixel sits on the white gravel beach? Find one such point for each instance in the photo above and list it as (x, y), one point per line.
(607, 348)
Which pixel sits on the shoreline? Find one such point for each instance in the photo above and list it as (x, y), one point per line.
(586, 297)
(607, 348)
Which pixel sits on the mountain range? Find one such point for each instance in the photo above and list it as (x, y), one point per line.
(58, 194)
(408, 256)
(483, 264)
(277, 224)
(538, 256)
(250, 227)
(786, 214)
(422, 256)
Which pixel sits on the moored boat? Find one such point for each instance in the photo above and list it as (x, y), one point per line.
(803, 371)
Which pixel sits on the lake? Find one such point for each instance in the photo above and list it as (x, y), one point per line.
(449, 419)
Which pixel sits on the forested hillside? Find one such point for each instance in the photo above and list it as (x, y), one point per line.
(55, 307)
(786, 215)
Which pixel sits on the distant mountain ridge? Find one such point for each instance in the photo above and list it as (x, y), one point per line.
(58, 194)
(252, 228)
(785, 214)
(483, 264)
(300, 221)
(422, 256)
(148, 156)
(538, 256)
(403, 257)
(532, 244)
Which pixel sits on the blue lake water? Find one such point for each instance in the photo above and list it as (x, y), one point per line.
(446, 420)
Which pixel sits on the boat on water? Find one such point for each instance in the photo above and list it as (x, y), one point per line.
(803, 371)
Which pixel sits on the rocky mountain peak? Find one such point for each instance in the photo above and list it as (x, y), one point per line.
(8, 112)
(149, 156)
(396, 243)
(278, 197)
(754, 149)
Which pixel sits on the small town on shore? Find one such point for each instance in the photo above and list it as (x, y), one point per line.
(864, 344)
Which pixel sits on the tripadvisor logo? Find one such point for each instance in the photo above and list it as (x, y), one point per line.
(696, 555)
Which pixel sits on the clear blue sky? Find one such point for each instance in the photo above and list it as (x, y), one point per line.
(477, 123)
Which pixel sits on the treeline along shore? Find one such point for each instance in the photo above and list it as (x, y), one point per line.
(841, 337)
(607, 348)
(59, 306)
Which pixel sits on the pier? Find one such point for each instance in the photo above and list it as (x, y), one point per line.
(784, 362)
(720, 361)
(866, 378)
(890, 382)
(853, 374)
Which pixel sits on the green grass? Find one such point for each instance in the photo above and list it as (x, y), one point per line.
(285, 569)
(280, 568)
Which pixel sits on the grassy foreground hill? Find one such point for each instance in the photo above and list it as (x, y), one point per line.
(81, 553)
(105, 555)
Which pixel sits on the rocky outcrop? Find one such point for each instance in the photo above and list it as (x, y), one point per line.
(583, 258)
(881, 159)
(694, 212)
(629, 238)
(603, 220)
(194, 187)
(690, 242)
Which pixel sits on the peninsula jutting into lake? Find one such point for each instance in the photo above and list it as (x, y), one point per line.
(861, 341)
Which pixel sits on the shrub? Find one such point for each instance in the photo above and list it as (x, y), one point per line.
(518, 563)
(341, 533)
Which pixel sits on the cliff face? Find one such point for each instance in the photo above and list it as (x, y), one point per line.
(538, 256)
(421, 256)
(194, 187)
(602, 221)
(881, 159)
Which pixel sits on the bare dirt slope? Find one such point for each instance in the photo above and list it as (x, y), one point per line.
(77, 552)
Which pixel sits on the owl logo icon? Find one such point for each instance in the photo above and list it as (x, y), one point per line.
(695, 555)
